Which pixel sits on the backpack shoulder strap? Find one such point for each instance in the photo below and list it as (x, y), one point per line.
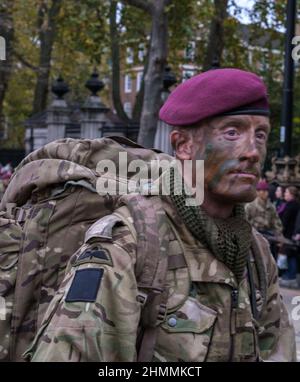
(258, 249)
(152, 231)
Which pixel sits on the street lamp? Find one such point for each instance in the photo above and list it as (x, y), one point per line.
(287, 103)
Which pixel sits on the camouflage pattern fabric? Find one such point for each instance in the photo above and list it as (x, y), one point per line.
(49, 205)
(2, 189)
(208, 316)
(263, 216)
(10, 239)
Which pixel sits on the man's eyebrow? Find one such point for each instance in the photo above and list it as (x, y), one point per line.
(223, 122)
(264, 126)
(228, 121)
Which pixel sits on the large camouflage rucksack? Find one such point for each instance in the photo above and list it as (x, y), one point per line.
(49, 204)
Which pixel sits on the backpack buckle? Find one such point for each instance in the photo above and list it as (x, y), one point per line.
(10, 210)
(142, 298)
(162, 314)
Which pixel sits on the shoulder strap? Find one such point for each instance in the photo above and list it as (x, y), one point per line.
(257, 251)
(152, 230)
(252, 290)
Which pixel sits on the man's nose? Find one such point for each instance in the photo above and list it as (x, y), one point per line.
(250, 150)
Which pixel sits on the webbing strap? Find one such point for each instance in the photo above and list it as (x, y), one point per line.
(152, 229)
(252, 291)
(257, 251)
(146, 345)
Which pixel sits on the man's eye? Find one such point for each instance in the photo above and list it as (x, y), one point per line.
(232, 133)
(261, 136)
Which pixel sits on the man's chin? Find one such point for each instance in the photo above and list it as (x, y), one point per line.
(241, 196)
(248, 199)
(246, 196)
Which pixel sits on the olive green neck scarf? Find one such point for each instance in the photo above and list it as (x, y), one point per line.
(228, 239)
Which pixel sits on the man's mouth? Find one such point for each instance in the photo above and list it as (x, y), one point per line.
(251, 174)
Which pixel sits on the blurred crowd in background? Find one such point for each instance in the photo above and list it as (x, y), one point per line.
(275, 213)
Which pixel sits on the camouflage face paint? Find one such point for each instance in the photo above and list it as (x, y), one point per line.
(233, 155)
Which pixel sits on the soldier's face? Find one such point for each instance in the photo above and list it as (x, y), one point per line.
(263, 195)
(233, 149)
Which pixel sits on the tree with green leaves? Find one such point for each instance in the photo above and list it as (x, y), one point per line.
(158, 52)
(215, 44)
(97, 34)
(46, 21)
(115, 60)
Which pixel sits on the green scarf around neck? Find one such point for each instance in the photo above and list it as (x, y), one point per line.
(228, 239)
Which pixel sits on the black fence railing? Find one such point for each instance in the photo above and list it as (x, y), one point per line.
(12, 156)
(129, 131)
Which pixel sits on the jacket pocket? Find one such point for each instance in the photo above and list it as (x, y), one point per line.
(41, 335)
(186, 334)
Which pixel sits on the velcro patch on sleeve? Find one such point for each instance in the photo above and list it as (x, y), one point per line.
(85, 285)
(96, 254)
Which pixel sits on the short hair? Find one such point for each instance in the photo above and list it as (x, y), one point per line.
(293, 191)
(191, 129)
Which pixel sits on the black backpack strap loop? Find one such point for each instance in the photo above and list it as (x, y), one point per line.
(252, 290)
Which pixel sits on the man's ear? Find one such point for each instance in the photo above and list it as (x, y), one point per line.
(182, 143)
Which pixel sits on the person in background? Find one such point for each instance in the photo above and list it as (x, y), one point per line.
(262, 215)
(272, 191)
(279, 201)
(296, 238)
(288, 217)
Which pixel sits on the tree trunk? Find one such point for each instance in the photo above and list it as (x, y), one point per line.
(47, 28)
(115, 55)
(138, 106)
(7, 32)
(216, 35)
(154, 75)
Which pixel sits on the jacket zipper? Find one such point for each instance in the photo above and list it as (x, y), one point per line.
(234, 305)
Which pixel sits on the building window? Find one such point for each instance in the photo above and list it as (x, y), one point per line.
(141, 52)
(128, 84)
(139, 79)
(189, 52)
(264, 63)
(129, 56)
(128, 109)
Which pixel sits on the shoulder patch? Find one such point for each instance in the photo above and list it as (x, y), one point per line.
(95, 254)
(102, 228)
(85, 285)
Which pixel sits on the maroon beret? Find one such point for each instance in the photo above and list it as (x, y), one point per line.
(214, 93)
(262, 185)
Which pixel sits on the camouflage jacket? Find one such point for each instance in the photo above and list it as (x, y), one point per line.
(95, 315)
(263, 217)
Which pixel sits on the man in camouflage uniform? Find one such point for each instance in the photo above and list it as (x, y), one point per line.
(222, 301)
(262, 215)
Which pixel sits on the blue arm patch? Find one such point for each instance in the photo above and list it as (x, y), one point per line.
(85, 285)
